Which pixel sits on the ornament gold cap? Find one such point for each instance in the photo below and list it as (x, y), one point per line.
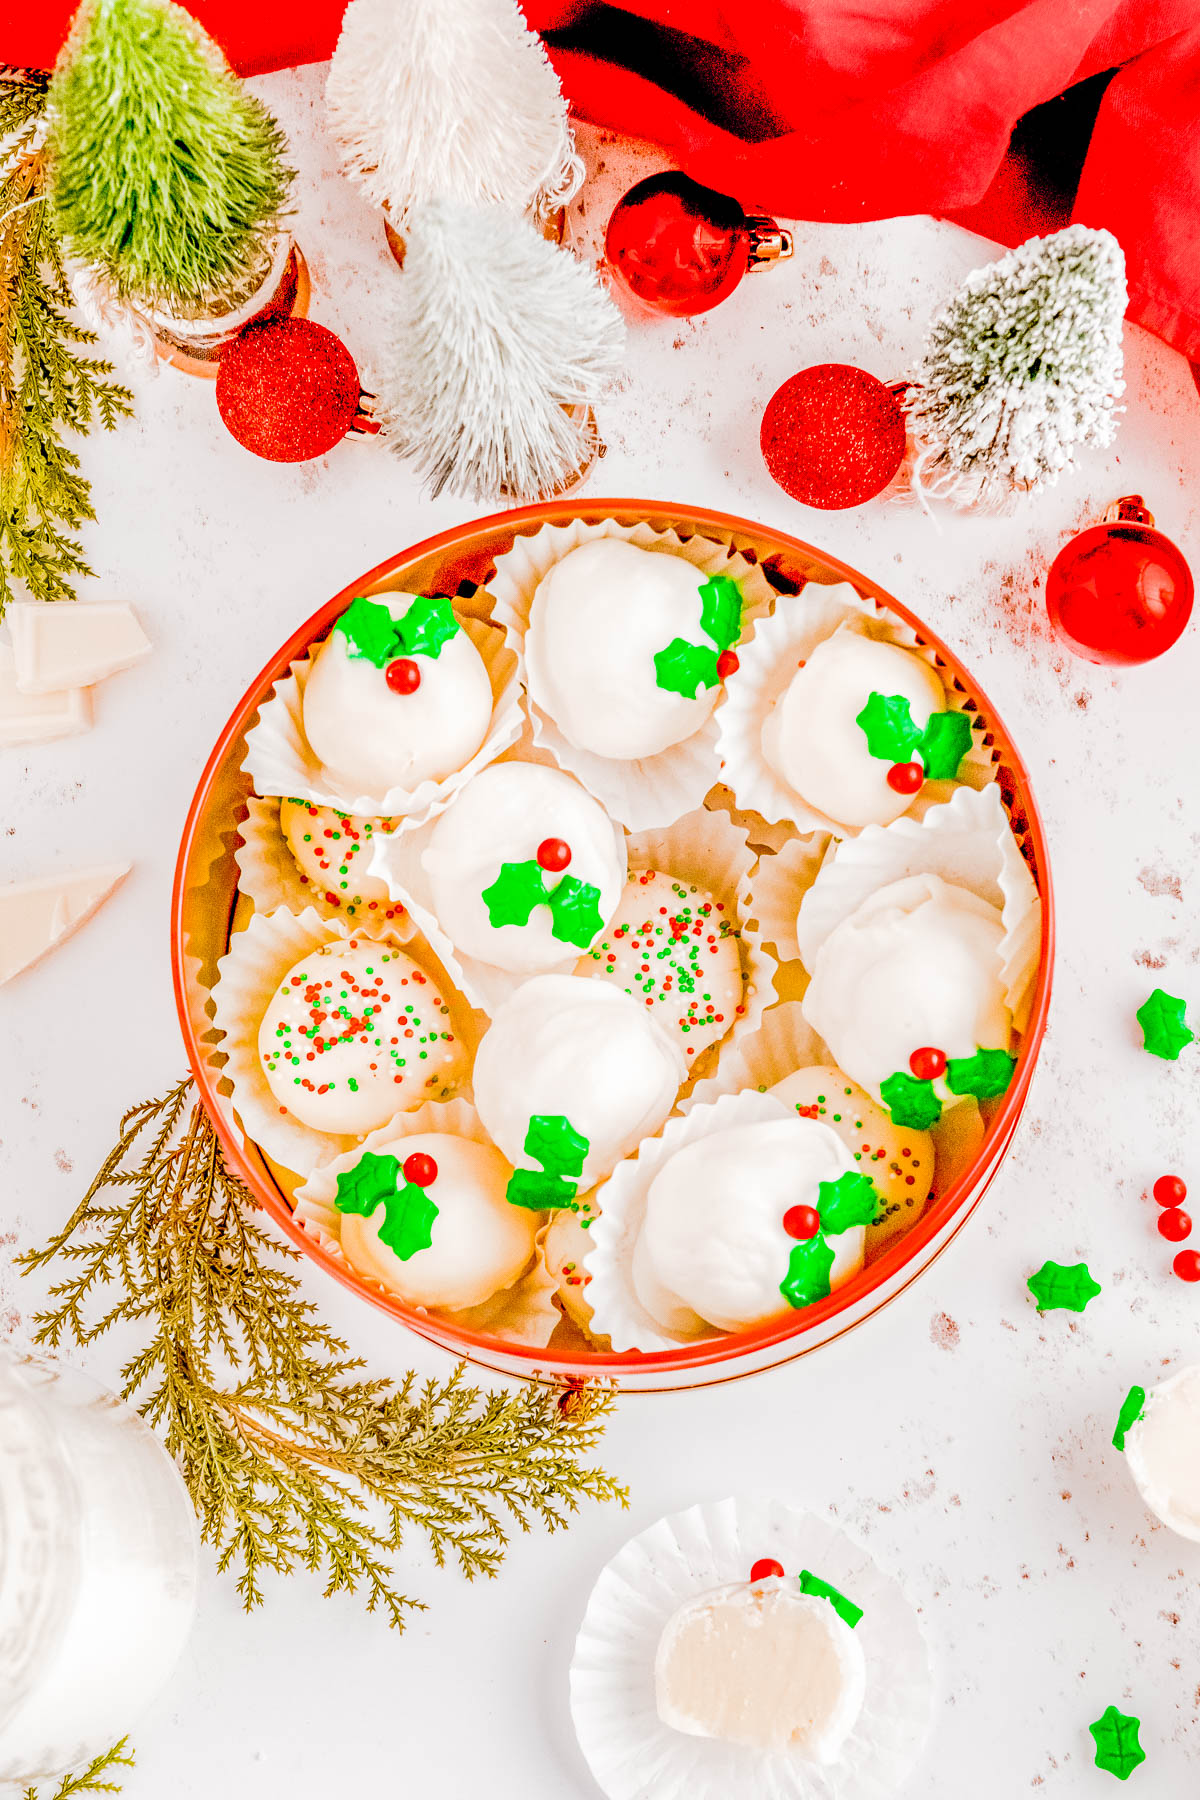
(769, 242)
(1130, 509)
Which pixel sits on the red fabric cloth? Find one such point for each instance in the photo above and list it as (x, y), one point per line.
(855, 109)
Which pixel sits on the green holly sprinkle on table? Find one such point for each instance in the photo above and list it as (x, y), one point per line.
(683, 667)
(845, 1609)
(1132, 1408)
(409, 1212)
(1063, 1287)
(552, 1141)
(1117, 1748)
(892, 736)
(1164, 1030)
(370, 630)
(521, 886)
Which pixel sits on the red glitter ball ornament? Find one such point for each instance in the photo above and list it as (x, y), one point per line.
(403, 676)
(553, 854)
(1187, 1265)
(802, 1222)
(1120, 592)
(1169, 1190)
(1174, 1224)
(764, 1568)
(727, 664)
(927, 1064)
(288, 390)
(420, 1169)
(906, 778)
(680, 248)
(833, 436)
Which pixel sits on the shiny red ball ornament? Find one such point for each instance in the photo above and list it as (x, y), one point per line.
(906, 778)
(1174, 1224)
(727, 664)
(1187, 1265)
(403, 676)
(764, 1568)
(554, 855)
(420, 1169)
(928, 1064)
(1120, 592)
(833, 436)
(680, 248)
(802, 1222)
(1169, 1190)
(289, 390)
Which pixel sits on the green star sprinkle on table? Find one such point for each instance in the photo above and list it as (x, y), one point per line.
(986, 1074)
(409, 1212)
(1117, 1747)
(1132, 1407)
(1065, 1287)
(1164, 1031)
(911, 1102)
(845, 1609)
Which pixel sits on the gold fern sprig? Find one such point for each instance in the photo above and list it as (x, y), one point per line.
(87, 1781)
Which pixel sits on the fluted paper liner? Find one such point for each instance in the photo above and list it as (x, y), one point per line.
(778, 883)
(634, 1756)
(524, 1313)
(767, 663)
(782, 1042)
(654, 790)
(280, 761)
(617, 1313)
(970, 843)
(269, 874)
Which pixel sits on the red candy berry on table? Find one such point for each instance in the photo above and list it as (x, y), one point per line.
(680, 248)
(1175, 1224)
(1120, 592)
(764, 1568)
(928, 1064)
(833, 436)
(420, 1169)
(727, 664)
(1169, 1190)
(905, 778)
(802, 1222)
(403, 676)
(289, 390)
(1187, 1265)
(554, 855)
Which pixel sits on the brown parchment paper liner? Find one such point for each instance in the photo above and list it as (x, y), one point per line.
(969, 842)
(617, 1313)
(279, 760)
(247, 976)
(782, 1042)
(767, 663)
(634, 1756)
(708, 848)
(270, 876)
(524, 1313)
(655, 789)
(398, 861)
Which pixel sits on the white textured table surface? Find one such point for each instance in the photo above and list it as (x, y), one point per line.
(963, 1436)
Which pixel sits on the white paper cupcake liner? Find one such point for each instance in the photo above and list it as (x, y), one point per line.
(280, 761)
(778, 883)
(655, 789)
(634, 1756)
(617, 1313)
(270, 876)
(968, 842)
(798, 624)
(524, 1313)
(782, 1042)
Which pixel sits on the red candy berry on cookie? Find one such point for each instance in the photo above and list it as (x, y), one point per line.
(727, 664)
(1187, 1265)
(403, 676)
(1169, 1190)
(764, 1568)
(1174, 1224)
(802, 1222)
(905, 778)
(554, 855)
(928, 1064)
(420, 1169)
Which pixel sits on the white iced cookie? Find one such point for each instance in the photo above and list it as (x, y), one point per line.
(898, 1158)
(524, 868)
(1162, 1448)
(762, 1664)
(598, 620)
(812, 739)
(332, 851)
(675, 949)
(397, 694)
(565, 1249)
(356, 1032)
(580, 1051)
(428, 1217)
(917, 966)
(713, 1247)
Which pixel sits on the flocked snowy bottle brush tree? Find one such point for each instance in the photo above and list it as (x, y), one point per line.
(1021, 371)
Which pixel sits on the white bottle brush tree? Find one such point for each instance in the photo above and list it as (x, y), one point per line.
(449, 100)
(1021, 370)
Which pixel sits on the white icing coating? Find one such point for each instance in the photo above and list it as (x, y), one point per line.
(675, 949)
(333, 852)
(813, 742)
(1163, 1452)
(478, 1245)
(917, 966)
(596, 621)
(582, 1050)
(762, 1664)
(501, 816)
(565, 1247)
(356, 1032)
(712, 1245)
(372, 739)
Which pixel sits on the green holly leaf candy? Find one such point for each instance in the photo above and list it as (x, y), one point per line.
(370, 631)
(721, 610)
(845, 1609)
(553, 1141)
(1132, 1408)
(576, 909)
(985, 1074)
(887, 722)
(684, 668)
(1063, 1287)
(539, 1192)
(944, 742)
(409, 1212)
(427, 625)
(807, 1277)
(850, 1200)
(910, 1102)
(519, 887)
(1164, 1032)
(1117, 1747)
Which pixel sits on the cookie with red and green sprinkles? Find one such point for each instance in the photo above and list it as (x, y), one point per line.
(676, 948)
(356, 1032)
(333, 851)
